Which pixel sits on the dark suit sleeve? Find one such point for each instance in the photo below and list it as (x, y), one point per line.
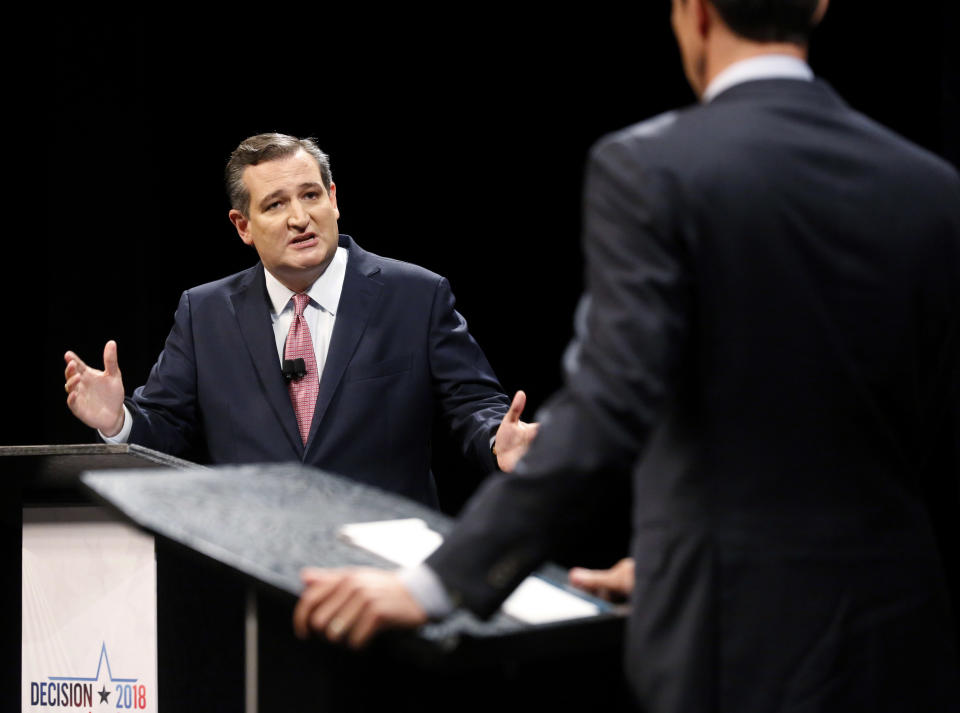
(165, 408)
(620, 371)
(470, 399)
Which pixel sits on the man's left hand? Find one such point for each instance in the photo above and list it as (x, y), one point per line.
(353, 604)
(514, 436)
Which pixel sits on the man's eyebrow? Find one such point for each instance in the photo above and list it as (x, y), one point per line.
(280, 191)
(270, 196)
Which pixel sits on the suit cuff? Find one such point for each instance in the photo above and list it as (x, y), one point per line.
(425, 586)
(124, 434)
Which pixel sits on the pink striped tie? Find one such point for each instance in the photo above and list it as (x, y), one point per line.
(303, 391)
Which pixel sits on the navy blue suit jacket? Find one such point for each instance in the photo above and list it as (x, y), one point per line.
(399, 355)
(770, 351)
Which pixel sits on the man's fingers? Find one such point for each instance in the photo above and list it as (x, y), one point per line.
(74, 363)
(312, 597)
(369, 622)
(71, 356)
(301, 612)
(72, 383)
(516, 407)
(353, 604)
(597, 582)
(330, 609)
(587, 579)
(345, 619)
(392, 607)
(612, 584)
(110, 359)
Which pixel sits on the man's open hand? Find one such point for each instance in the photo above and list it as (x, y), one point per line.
(94, 396)
(514, 436)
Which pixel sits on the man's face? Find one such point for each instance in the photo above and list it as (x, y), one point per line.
(292, 219)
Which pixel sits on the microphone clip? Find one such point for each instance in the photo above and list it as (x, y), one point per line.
(294, 369)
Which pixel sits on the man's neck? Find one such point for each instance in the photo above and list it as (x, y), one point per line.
(728, 50)
(300, 280)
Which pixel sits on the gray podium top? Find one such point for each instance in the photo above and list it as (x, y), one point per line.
(269, 521)
(77, 457)
(52, 472)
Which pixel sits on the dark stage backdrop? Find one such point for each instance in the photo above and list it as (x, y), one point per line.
(458, 140)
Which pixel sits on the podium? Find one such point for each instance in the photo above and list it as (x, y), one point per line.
(256, 526)
(48, 476)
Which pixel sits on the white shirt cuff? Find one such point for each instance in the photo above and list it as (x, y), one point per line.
(124, 430)
(425, 586)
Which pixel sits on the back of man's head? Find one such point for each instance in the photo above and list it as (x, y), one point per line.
(268, 147)
(770, 20)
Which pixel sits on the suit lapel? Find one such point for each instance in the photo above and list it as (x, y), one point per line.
(357, 301)
(250, 305)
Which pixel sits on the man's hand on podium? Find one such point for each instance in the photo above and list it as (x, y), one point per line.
(94, 396)
(514, 437)
(614, 584)
(353, 604)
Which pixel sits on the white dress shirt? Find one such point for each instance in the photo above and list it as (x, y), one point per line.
(764, 66)
(320, 313)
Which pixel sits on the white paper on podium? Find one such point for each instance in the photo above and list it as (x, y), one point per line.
(409, 542)
(406, 542)
(536, 601)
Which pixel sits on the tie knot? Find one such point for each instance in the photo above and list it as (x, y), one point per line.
(300, 304)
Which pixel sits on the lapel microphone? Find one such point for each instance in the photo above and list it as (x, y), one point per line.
(294, 369)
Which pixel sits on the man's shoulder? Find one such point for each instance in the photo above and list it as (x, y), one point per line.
(226, 286)
(668, 141)
(644, 135)
(387, 268)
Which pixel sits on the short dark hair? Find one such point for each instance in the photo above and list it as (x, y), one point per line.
(769, 20)
(268, 147)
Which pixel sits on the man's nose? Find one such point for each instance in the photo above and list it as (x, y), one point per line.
(298, 215)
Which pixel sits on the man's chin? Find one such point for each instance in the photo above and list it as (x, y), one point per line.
(308, 266)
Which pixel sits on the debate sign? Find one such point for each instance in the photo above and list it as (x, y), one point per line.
(89, 613)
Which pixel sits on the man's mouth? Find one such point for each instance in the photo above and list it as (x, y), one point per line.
(305, 240)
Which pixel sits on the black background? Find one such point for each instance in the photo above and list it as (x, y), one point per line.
(457, 139)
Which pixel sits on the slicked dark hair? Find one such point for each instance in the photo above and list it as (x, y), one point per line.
(268, 147)
(769, 20)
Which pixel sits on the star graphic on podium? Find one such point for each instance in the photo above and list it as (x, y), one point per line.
(104, 695)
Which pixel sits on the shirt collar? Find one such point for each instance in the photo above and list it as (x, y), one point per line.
(765, 66)
(325, 291)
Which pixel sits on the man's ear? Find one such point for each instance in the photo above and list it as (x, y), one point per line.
(704, 16)
(332, 191)
(819, 12)
(241, 223)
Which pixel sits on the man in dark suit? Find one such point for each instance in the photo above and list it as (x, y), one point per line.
(386, 349)
(770, 346)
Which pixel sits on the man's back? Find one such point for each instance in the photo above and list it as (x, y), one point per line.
(822, 268)
(809, 285)
(770, 347)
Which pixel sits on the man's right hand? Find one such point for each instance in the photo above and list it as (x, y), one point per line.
(614, 584)
(94, 396)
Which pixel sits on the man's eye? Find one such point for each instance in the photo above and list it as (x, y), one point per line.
(273, 206)
(312, 195)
